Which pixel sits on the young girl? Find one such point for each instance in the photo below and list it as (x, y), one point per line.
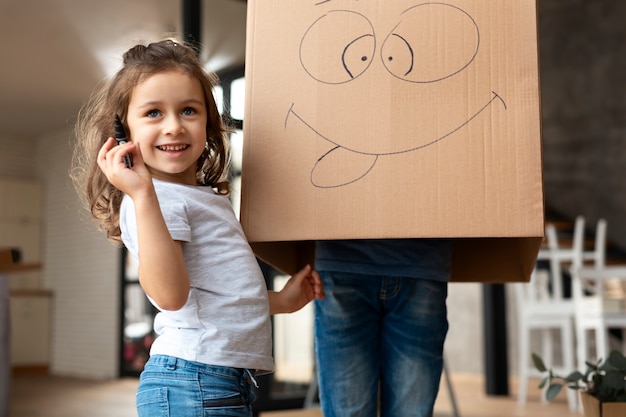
(171, 211)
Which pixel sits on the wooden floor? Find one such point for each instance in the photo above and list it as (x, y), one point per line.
(45, 396)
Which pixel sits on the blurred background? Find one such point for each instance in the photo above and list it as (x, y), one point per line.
(83, 314)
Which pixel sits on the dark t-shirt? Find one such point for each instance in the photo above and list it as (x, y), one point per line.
(418, 258)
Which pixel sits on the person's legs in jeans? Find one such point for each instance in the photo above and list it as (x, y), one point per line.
(347, 345)
(413, 333)
(370, 328)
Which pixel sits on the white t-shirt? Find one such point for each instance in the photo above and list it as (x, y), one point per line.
(226, 320)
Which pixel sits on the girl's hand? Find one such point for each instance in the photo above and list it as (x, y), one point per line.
(162, 271)
(302, 288)
(111, 162)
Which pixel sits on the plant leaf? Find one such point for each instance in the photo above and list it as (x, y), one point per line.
(538, 362)
(553, 391)
(617, 359)
(614, 380)
(574, 377)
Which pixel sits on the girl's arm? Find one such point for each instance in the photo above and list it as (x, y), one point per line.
(162, 271)
(301, 288)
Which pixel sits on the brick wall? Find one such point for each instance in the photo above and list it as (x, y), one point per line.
(583, 86)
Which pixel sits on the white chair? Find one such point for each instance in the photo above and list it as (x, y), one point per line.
(541, 306)
(592, 312)
(563, 258)
(598, 254)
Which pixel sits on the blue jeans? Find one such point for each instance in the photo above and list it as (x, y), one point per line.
(172, 387)
(379, 336)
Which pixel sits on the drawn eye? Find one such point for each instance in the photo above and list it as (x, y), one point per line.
(335, 56)
(418, 48)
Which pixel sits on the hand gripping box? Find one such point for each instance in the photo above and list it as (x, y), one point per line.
(394, 119)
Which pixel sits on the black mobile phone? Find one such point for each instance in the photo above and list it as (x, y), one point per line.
(121, 137)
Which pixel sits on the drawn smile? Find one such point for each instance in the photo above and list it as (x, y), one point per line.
(364, 161)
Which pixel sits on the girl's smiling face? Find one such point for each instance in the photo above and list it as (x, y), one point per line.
(167, 117)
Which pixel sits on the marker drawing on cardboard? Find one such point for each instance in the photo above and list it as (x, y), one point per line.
(406, 53)
(394, 119)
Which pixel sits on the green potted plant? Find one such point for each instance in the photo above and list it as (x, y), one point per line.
(602, 387)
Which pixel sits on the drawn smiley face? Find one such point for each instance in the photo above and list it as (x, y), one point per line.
(407, 51)
(347, 63)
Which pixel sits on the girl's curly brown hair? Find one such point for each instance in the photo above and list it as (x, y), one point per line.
(95, 125)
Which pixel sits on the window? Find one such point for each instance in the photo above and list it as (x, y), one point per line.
(137, 319)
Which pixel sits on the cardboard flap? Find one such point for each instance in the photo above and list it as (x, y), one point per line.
(474, 260)
(494, 260)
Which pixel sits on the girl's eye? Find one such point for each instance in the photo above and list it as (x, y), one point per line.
(153, 113)
(188, 111)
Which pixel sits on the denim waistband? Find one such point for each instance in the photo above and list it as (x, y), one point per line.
(172, 362)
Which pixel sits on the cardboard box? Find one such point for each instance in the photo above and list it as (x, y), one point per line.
(397, 119)
(594, 408)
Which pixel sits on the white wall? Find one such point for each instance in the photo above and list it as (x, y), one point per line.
(464, 344)
(81, 268)
(17, 158)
